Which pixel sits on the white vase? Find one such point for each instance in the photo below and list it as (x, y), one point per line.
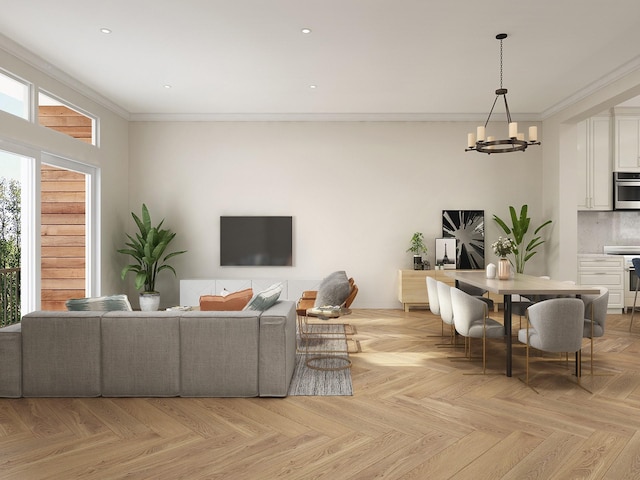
(149, 301)
(504, 269)
(491, 270)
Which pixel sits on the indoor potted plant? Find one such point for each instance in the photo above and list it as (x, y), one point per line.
(519, 228)
(148, 250)
(417, 247)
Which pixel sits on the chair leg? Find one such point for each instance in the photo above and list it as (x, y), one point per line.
(633, 309)
(527, 364)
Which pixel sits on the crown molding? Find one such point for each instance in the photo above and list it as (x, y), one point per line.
(594, 87)
(319, 117)
(47, 68)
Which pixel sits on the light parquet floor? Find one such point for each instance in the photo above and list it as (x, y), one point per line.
(414, 415)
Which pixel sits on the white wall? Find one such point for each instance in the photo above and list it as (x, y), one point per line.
(357, 191)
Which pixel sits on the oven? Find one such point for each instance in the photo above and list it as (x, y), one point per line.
(630, 278)
(626, 190)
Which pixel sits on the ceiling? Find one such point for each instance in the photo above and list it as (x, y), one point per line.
(365, 57)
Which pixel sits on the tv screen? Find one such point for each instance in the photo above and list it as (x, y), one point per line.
(264, 241)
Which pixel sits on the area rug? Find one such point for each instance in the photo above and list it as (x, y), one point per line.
(309, 381)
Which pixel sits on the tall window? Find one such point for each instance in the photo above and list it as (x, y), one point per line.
(10, 238)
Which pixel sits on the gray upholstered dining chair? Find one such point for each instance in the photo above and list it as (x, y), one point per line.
(476, 292)
(595, 312)
(471, 320)
(554, 325)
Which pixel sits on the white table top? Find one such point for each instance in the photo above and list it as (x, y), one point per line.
(521, 284)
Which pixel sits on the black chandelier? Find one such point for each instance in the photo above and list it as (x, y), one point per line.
(478, 142)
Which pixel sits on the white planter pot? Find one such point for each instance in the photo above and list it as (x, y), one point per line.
(149, 302)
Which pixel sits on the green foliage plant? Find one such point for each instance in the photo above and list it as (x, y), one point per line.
(10, 214)
(518, 230)
(148, 248)
(417, 246)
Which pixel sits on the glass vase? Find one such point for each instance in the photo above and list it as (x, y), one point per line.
(504, 269)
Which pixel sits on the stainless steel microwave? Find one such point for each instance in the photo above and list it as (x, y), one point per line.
(626, 190)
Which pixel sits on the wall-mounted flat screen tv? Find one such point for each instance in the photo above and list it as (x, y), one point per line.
(263, 241)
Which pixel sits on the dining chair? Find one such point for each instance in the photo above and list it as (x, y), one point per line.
(476, 292)
(434, 302)
(636, 268)
(471, 320)
(555, 325)
(446, 311)
(595, 309)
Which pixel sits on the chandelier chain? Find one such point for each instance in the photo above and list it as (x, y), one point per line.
(500, 63)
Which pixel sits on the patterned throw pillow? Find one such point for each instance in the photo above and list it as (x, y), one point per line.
(333, 290)
(266, 298)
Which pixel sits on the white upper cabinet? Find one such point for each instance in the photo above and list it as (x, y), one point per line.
(595, 172)
(627, 140)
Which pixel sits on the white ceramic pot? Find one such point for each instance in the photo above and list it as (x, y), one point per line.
(149, 302)
(491, 270)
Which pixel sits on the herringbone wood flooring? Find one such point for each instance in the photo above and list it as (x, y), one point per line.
(414, 415)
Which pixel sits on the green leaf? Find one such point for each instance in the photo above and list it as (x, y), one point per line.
(500, 222)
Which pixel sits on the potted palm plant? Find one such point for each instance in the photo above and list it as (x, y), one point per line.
(148, 249)
(519, 228)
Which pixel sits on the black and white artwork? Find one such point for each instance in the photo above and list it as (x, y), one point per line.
(446, 253)
(467, 227)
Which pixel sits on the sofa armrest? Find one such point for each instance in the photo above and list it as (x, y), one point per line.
(11, 361)
(277, 359)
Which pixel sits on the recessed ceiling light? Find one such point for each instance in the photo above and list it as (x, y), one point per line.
(306, 30)
(313, 86)
(105, 30)
(167, 86)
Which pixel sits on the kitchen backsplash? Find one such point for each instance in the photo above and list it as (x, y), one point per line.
(597, 229)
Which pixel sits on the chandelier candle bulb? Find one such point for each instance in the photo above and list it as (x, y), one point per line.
(521, 136)
(480, 134)
(513, 129)
(533, 134)
(471, 140)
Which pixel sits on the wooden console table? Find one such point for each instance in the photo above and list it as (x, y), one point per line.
(412, 287)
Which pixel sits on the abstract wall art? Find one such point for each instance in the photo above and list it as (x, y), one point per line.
(467, 227)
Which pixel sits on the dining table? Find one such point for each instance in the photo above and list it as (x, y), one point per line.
(519, 284)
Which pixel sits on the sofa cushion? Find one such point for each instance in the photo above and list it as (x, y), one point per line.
(232, 302)
(266, 298)
(61, 354)
(141, 354)
(333, 290)
(219, 354)
(99, 304)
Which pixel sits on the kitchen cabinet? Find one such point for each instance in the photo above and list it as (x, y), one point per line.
(594, 164)
(606, 271)
(627, 140)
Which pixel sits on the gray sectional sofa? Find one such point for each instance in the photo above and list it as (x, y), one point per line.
(150, 354)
